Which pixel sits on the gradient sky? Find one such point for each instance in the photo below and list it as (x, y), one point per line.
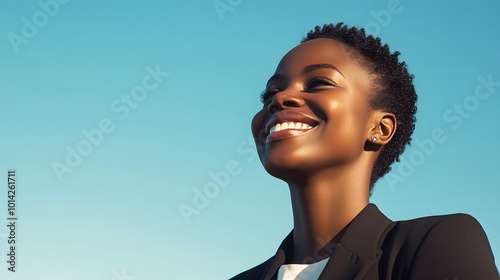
(68, 70)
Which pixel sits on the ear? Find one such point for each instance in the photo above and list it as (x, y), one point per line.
(383, 127)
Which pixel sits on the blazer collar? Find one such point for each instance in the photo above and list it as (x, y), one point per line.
(355, 253)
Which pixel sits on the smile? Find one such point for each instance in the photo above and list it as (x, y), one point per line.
(290, 125)
(287, 123)
(286, 130)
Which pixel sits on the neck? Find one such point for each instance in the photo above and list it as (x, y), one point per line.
(322, 206)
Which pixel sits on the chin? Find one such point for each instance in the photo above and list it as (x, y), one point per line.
(287, 169)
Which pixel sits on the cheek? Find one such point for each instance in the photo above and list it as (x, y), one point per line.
(347, 120)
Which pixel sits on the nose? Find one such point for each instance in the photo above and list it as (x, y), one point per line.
(284, 99)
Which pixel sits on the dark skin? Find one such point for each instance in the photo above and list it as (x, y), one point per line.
(328, 167)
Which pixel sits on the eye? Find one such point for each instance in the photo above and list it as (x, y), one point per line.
(266, 94)
(319, 83)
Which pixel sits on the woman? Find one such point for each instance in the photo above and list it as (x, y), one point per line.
(338, 111)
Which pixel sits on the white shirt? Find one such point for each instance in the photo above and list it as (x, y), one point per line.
(301, 271)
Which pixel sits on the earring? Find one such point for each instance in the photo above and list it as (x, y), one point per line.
(375, 138)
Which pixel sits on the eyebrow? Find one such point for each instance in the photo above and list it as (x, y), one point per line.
(306, 70)
(313, 67)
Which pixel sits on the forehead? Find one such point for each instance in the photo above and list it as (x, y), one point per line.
(321, 51)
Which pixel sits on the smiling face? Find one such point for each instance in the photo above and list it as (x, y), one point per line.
(322, 89)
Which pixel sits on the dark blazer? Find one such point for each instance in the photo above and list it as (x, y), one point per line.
(449, 247)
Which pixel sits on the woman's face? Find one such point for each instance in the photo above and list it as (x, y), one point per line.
(324, 89)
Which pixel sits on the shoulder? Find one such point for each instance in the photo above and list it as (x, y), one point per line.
(439, 225)
(444, 230)
(443, 247)
(253, 273)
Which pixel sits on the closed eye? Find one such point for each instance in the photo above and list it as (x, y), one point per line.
(320, 83)
(314, 84)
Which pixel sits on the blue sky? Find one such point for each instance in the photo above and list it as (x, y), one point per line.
(116, 114)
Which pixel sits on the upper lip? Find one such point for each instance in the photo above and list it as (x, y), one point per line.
(288, 116)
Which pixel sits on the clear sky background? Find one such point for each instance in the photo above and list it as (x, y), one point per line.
(166, 90)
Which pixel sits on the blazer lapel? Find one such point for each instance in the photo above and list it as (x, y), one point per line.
(358, 249)
(285, 249)
(353, 256)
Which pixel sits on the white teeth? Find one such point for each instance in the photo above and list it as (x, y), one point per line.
(289, 125)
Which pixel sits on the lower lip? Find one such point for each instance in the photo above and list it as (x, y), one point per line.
(287, 133)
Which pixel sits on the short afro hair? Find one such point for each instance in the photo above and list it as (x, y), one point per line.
(394, 91)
